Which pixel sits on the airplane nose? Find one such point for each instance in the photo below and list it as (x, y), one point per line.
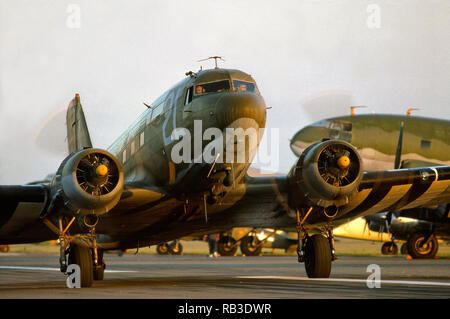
(233, 106)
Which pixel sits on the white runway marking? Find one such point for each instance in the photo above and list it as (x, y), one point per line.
(392, 282)
(54, 269)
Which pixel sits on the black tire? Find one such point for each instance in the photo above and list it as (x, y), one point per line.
(227, 246)
(162, 249)
(176, 249)
(250, 246)
(82, 256)
(99, 273)
(4, 248)
(389, 249)
(419, 251)
(317, 257)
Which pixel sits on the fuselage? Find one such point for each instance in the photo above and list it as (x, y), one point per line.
(376, 136)
(169, 142)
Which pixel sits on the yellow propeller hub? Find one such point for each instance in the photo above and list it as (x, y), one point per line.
(101, 170)
(343, 162)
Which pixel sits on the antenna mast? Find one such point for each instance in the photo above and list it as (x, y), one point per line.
(352, 109)
(215, 60)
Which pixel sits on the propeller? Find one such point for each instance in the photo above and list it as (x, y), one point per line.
(96, 174)
(337, 166)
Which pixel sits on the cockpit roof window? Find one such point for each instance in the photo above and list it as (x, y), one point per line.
(212, 87)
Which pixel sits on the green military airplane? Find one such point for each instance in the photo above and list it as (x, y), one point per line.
(389, 142)
(155, 184)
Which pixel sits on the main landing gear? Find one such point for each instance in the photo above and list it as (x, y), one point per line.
(80, 249)
(422, 246)
(389, 248)
(316, 251)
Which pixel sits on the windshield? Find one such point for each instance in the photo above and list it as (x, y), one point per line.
(212, 87)
(242, 86)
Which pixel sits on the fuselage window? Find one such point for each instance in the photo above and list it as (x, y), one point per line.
(425, 144)
(242, 86)
(212, 87)
(189, 94)
(141, 139)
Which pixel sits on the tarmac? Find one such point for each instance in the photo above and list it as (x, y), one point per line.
(35, 276)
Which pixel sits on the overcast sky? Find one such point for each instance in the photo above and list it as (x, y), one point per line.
(311, 60)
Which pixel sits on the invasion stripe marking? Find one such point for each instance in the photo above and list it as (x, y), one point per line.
(435, 189)
(394, 194)
(354, 202)
(416, 190)
(375, 196)
(392, 282)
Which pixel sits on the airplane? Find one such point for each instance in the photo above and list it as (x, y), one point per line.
(251, 241)
(386, 142)
(149, 186)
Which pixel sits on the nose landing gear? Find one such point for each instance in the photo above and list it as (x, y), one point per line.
(316, 251)
(80, 249)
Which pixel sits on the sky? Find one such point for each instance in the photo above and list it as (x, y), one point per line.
(311, 60)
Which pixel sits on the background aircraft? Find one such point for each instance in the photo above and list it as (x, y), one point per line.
(387, 142)
(138, 193)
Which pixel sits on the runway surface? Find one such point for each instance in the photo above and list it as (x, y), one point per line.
(197, 276)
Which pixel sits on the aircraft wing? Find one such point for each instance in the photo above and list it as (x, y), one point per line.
(400, 189)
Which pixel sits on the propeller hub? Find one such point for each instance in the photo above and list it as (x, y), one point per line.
(343, 162)
(101, 170)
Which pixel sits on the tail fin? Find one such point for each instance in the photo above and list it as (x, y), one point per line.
(78, 137)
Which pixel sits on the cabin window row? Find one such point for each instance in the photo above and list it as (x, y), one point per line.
(136, 143)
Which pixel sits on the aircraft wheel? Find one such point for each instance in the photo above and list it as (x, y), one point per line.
(176, 249)
(404, 249)
(250, 246)
(99, 273)
(162, 249)
(227, 246)
(317, 257)
(82, 256)
(389, 249)
(4, 248)
(418, 250)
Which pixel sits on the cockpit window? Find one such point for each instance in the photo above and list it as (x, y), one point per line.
(212, 87)
(242, 86)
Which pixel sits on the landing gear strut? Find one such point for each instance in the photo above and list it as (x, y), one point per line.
(316, 251)
(81, 249)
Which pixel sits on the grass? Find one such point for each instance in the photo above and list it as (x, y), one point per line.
(344, 247)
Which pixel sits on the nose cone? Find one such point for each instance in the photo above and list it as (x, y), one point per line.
(239, 105)
(306, 136)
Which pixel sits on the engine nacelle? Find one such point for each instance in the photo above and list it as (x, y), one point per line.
(327, 174)
(89, 182)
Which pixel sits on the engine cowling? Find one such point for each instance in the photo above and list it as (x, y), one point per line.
(327, 174)
(89, 182)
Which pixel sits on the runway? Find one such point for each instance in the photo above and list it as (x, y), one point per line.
(197, 276)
